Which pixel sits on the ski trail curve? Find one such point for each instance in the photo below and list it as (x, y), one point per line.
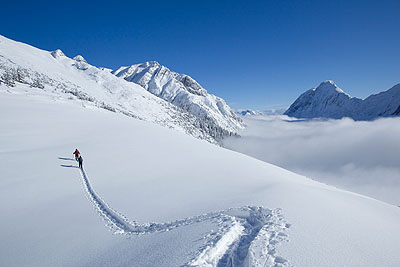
(121, 225)
(246, 236)
(114, 220)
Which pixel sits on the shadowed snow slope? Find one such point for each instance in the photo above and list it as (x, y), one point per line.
(150, 173)
(329, 101)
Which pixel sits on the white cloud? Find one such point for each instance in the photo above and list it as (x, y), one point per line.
(360, 156)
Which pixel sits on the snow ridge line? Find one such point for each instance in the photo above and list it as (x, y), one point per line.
(246, 236)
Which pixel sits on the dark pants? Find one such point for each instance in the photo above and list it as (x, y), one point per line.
(80, 164)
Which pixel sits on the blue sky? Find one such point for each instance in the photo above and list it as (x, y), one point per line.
(255, 54)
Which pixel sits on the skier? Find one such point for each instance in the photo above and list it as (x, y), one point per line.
(76, 153)
(80, 160)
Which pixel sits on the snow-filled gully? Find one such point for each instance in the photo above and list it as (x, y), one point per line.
(246, 236)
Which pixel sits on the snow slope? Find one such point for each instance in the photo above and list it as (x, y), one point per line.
(182, 91)
(329, 101)
(213, 207)
(63, 77)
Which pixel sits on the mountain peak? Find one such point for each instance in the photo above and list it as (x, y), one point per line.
(79, 58)
(80, 63)
(329, 82)
(329, 85)
(57, 53)
(152, 63)
(146, 64)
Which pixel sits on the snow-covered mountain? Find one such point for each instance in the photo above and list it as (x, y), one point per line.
(329, 101)
(182, 91)
(384, 104)
(75, 79)
(246, 112)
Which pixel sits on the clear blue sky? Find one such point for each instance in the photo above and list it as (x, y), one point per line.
(254, 54)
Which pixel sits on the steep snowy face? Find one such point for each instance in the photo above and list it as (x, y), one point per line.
(327, 100)
(396, 112)
(182, 91)
(384, 104)
(75, 79)
(191, 85)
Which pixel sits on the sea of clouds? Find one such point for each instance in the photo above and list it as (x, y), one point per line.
(360, 156)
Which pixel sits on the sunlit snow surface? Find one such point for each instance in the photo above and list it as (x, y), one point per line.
(245, 236)
(140, 173)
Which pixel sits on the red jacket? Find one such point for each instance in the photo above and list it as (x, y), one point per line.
(76, 152)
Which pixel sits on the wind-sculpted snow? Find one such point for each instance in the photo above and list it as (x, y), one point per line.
(329, 101)
(246, 236)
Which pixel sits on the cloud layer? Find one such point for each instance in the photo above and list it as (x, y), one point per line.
(361, 156)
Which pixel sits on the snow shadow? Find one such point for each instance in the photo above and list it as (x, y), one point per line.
(62, 158)
(69, 166)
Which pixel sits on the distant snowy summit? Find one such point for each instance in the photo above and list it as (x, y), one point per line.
(329, 101)
(246, 112)
(250, 112)
(182, 91)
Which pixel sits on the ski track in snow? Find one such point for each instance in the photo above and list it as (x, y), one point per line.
(246, 236)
